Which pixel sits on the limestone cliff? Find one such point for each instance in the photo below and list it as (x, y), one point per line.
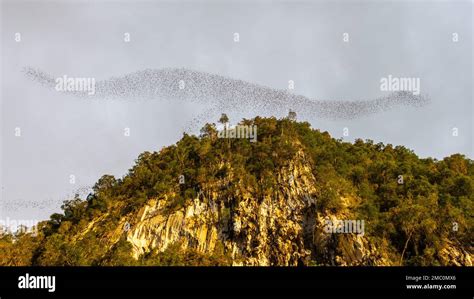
(296, 196)
(284, 228)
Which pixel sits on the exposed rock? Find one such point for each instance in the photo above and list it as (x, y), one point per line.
(284, 228)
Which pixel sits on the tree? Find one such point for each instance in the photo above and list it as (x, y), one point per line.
(224, 119)
(415, 220)
(209, 130)
(105, 182)
(292, 115)
(73, 209)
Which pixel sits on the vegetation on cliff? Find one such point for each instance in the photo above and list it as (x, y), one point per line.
(415, 207)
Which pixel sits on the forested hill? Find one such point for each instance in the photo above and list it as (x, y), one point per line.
(209, 200)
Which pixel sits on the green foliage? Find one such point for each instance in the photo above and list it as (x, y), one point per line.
(224, 119)
(120, 255)
(175, 255)
(414, 218)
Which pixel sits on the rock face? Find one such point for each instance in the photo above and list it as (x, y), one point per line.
(286, 224)
(455, 255)
(295, 197)
(284, 228)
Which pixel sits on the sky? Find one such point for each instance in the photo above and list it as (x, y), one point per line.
(67, 143)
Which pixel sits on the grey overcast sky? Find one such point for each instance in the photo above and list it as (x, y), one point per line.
(279, 41)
